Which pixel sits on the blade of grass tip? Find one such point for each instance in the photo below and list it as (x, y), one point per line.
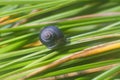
(102, 29)
(87, 52)
(39, 12)
(33, 44)
(19, 10)
(108, 73)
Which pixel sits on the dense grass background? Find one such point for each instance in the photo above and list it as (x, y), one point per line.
(90, 26)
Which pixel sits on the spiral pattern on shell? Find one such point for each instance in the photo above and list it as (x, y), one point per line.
(52, 37)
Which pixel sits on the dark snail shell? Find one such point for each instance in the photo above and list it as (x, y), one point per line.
(52, 37)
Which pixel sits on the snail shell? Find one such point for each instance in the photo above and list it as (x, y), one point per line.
(52, 37)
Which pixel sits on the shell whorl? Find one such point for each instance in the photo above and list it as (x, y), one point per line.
(52, 37)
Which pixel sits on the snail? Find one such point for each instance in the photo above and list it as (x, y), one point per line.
(52, 37)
